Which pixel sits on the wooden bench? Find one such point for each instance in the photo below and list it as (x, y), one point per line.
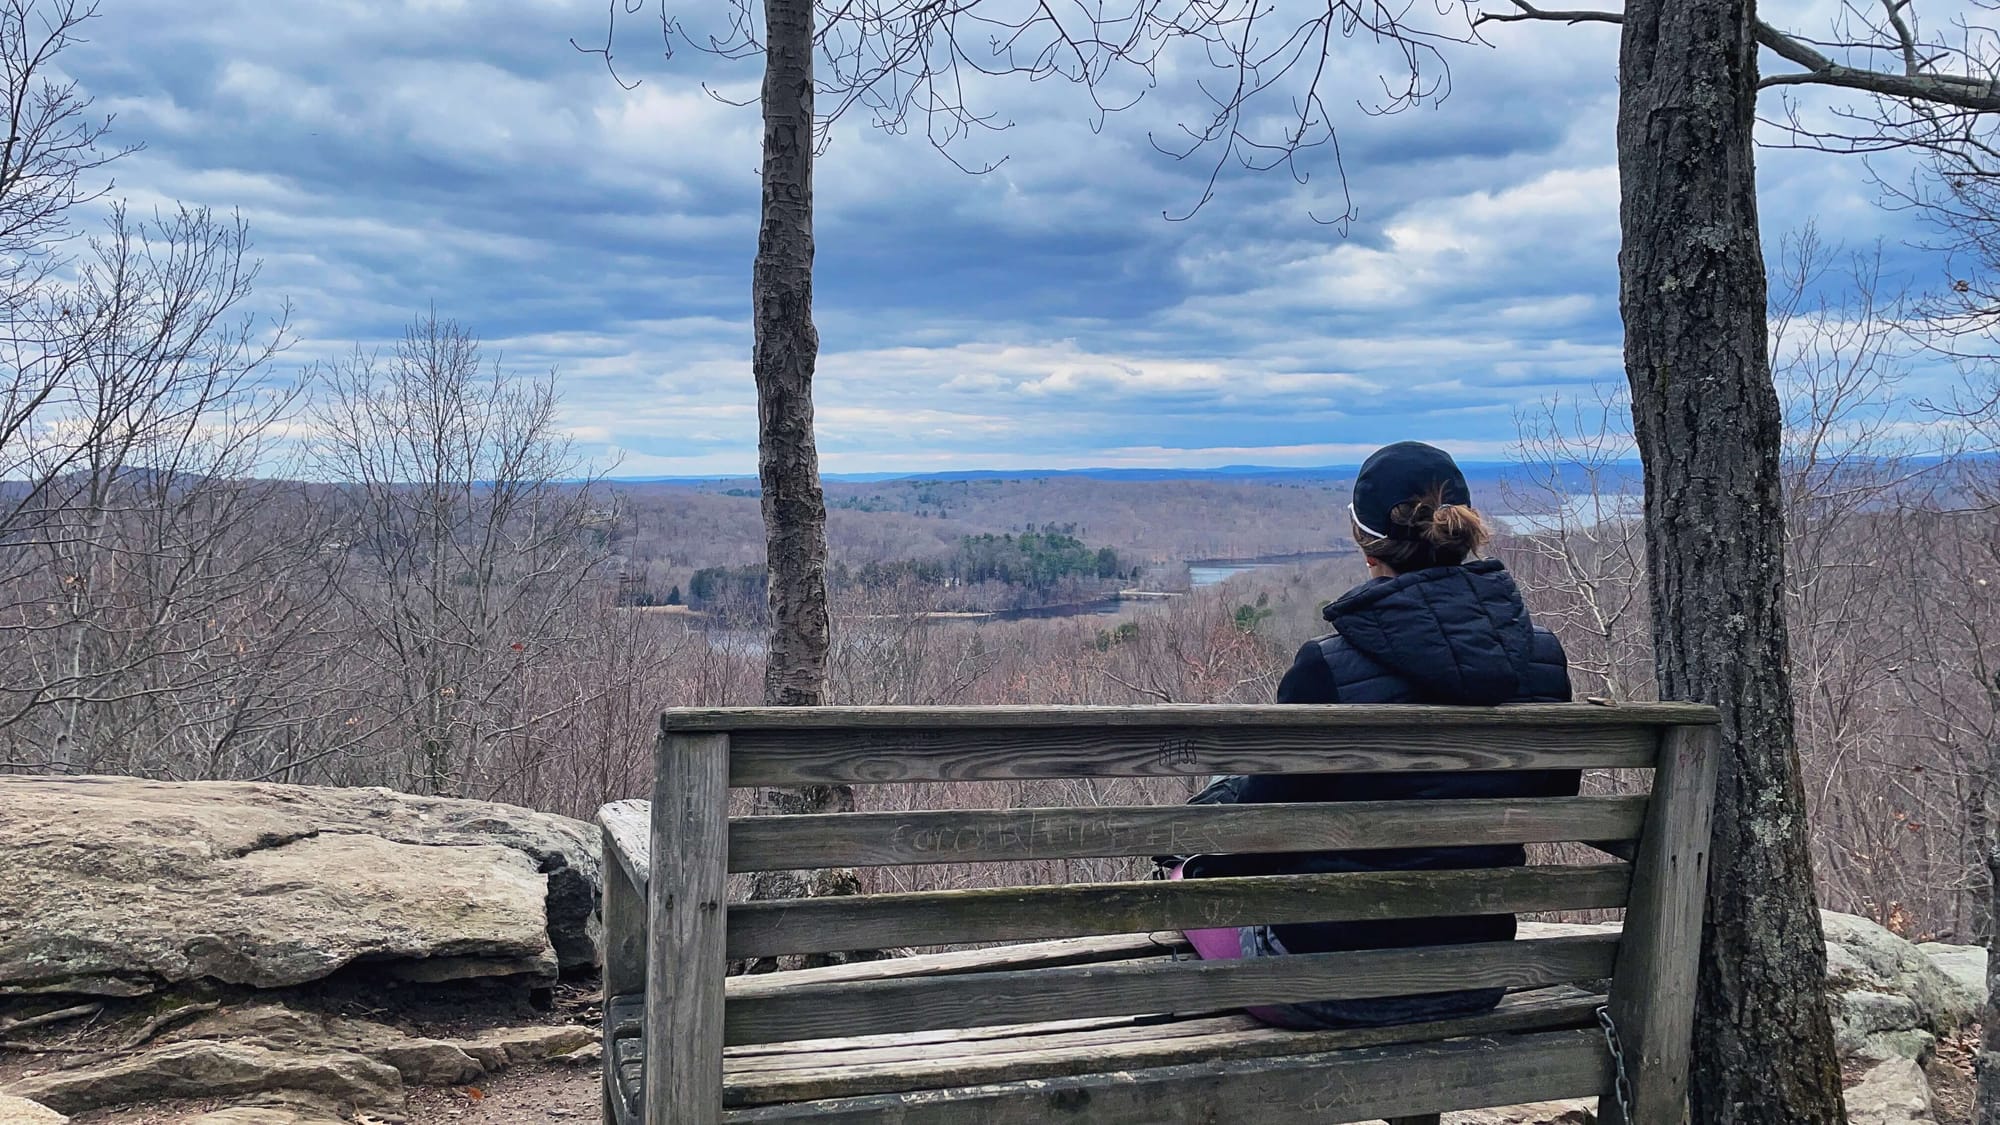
(1111, 1020)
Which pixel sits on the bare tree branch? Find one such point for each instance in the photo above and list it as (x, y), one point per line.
(916, 66)
(1918, 82)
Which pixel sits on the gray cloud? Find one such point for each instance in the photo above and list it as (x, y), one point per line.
(391, 155)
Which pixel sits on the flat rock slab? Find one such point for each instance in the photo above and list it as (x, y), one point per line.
(1965, 967)
(118, 886)
(305, 1067)
(21, 1111)
(1894, 1092)
(420, 1060)
(268, 1115)
(201, 1069)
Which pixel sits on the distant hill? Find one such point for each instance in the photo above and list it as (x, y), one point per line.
(1476, 472)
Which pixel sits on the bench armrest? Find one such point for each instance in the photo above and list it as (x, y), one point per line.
(628, 860)
(628, 836)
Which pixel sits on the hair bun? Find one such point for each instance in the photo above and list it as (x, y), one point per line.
(1454, 527)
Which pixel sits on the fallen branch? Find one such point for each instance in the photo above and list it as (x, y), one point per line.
(8, 1026)
(163, 1021)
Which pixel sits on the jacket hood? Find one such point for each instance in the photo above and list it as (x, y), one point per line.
(1459, 633)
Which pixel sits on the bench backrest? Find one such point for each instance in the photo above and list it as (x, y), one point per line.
(695, 845)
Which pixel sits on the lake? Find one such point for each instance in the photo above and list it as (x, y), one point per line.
(1212, 572)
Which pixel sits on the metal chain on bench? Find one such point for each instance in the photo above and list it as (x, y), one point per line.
(1621, 1084)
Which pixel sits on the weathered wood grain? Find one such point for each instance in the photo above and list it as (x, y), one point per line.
(687, 920)
(953, 1042)
(1021, 955)
(1132, 988)
(1367, 1084)
(624, 914)
(982, 753)
(1652, 1000)
(827, 925)
(952, 1046)
(1012, 835)
(1048, 1055)
(628, 836)
(1564, 716)
(628, 842)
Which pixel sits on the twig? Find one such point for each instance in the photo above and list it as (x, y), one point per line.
(8, 1026)
(1156, 693)
(164, 1020)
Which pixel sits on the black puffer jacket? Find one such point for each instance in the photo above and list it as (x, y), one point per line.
(1451, 635)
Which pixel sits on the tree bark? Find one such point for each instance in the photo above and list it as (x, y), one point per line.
(1709, 428)
(786, 351)
(1986, 1067)
(1986, 1101)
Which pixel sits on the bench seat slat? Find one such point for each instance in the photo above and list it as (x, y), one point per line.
(977, 1042)
(1368, 1084)
(1030, 1052)
(868, 839)
(1539, 1009)
(828, 925)
(786, 757)
(945, 1042)
(1020, 955)
(1158, 985)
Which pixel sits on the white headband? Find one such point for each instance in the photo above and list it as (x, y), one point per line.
(1356, 517)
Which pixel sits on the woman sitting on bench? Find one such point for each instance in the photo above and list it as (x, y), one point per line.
(1434, 624)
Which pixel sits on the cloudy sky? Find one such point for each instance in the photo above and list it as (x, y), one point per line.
(391, 154)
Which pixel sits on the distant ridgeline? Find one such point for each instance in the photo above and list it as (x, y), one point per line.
(985, 572)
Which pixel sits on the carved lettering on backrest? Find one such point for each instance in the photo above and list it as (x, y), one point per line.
(1178, 753)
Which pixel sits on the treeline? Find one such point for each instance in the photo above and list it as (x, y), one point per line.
(1038, 561)
(984, 572)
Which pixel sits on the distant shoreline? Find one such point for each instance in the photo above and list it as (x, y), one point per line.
(1275, 560)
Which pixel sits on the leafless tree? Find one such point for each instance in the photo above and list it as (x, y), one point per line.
(1582, 548)
(467, 532)
(145, 547)
(144, 580)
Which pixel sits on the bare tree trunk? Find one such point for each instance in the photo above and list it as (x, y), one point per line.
(1986, 798)
(1709, 428)
(1986, 1103)
(787, 348)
